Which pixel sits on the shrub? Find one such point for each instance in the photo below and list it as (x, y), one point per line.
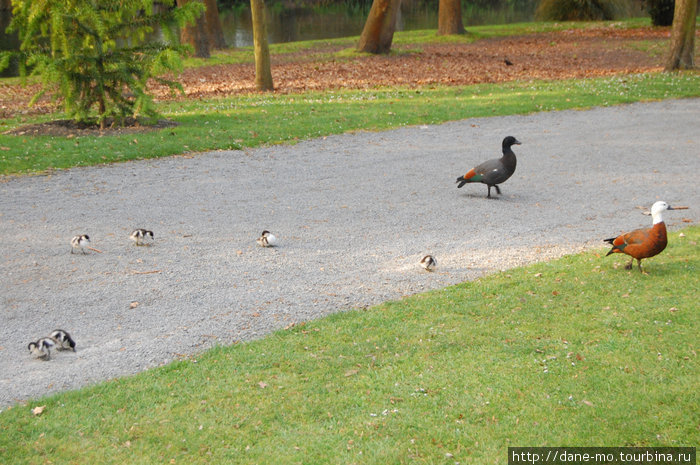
(581, 10)
(661, 12)
(97, 55)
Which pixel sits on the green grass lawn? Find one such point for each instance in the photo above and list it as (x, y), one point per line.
(576, 351)
(254, 120)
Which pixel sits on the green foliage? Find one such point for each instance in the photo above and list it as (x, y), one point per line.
(581, 10)
(98, 55)
(661, 12)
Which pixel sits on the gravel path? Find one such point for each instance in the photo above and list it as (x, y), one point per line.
(354, 214)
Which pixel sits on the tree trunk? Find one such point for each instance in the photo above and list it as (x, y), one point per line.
(450, 17)
(195, 34)
(682, 36)
(216, 34)
(263, 74)
(379, 28)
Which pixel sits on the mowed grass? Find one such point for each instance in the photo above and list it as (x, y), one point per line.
(261, 119)
(576, 351)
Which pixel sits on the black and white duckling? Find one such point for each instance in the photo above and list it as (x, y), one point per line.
(42, 348)
(428, 262)
(140, 235)
(267, 239)
(78, 242)
(63, 340)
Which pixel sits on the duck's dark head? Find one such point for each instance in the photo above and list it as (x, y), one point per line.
(510, 141)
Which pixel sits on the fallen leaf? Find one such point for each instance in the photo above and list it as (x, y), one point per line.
(262, 384)
(537, 275)
(133, 304)
(38, 410)
(351, 373)
(588, 402)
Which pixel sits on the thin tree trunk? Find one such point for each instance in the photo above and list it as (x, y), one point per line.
(380, 26)
(216, 34)
(195, 34)
(450, 17)
(263, 73)
(682, 36)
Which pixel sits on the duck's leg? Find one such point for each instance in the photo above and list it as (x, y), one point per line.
(488, 196)
(498, 190)
(639, 265)
(629, 265)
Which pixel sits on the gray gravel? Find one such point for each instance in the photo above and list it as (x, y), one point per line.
(354, 214)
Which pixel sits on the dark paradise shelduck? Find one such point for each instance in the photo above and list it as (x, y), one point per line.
(645, 242)
(493, 172)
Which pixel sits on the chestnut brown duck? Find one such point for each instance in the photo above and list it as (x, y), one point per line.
(493, 172)
(645, 242)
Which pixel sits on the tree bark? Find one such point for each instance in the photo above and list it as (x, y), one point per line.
(216, 34)
(195, 34)
(450, 17)
(379, 28)
(263, 73)
(682, 36)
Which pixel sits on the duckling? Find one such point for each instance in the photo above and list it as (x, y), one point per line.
(63, 340)
(140, 235)
(428, 262)
(42, 348)
(78, 242)
(266, 239)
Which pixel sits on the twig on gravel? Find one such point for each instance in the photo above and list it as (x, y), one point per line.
(145, 272)
(94, 249)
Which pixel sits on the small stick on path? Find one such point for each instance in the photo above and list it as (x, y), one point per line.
(145, 272)
(93, 249)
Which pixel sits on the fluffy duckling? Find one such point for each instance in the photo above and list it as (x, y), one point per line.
(140, 235)
(63, 340)
(428, 262)
(266, 239)
(42, 348)
(78, 242)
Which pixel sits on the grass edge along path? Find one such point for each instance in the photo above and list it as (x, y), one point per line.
(256, 120)
(572, 352)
